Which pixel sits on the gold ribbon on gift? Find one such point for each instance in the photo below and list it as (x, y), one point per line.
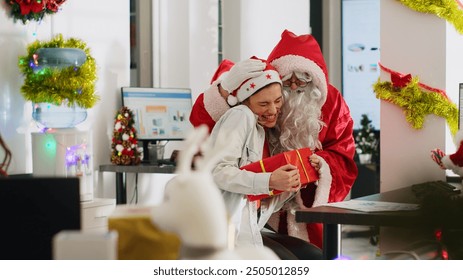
(262, 166)
(303, 166)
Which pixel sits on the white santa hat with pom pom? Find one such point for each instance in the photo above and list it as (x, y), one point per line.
(251, 86)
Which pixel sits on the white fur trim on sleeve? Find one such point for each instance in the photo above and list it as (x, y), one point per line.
(296, 229)
(448, 163)
(322, 193)
(321, 197)
(214, 103)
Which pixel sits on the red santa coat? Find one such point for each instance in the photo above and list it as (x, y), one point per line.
(338, 153)
(209, 106)
(338, 170)
(338, 144)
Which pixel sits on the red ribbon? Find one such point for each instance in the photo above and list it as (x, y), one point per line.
(398, 79)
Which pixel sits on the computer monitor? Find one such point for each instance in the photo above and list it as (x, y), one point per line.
(32, 211)
(160, 113)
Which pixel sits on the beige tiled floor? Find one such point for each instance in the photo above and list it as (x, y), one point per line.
(361, 243)
(358, 243)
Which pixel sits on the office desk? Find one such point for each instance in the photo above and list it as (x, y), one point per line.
(333, 217)
(121, 170)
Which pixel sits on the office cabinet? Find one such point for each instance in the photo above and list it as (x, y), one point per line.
(95, 213)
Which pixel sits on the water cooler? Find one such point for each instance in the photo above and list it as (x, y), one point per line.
(65, 152)
(62, 150)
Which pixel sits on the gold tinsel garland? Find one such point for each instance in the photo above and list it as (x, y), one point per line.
(70, 85)
(417, 103)
(445, 9)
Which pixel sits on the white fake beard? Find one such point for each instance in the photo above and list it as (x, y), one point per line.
(300, 121)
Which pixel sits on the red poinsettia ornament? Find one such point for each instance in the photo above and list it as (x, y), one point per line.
(27, 10)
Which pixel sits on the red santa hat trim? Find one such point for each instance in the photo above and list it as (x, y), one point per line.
(251, 86)
(300, 54)
(223, 68)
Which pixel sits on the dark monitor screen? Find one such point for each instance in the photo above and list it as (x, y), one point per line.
(159, 113)
(32, 211)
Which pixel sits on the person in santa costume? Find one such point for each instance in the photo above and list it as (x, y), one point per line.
(314, 115)
(453, 161)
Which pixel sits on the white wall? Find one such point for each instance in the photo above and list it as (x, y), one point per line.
(106, 32)
(433, 54)
(185, 49)
(185, 43)
(185, 39)
(253, 27)
(15, 113)
(332, 42)
(104, 26)
(454, 62)
(405, 151)
(186, 35)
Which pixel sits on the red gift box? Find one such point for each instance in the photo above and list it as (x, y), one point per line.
(299, 158)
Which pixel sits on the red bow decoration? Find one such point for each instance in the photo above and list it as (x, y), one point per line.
(54, 5)
(400, 80)
(28, 6)
(33, 9)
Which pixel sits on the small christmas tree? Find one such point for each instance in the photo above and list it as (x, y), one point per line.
(124, 145)
(365, 140)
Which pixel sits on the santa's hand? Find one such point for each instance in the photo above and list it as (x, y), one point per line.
(241, 72)
(315, 162)
(436, 156)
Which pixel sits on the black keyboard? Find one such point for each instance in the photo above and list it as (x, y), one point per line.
(434, 187)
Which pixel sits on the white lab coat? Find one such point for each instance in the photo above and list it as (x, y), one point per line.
(245, 141)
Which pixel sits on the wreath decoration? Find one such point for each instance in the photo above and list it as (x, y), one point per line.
(450, 10)
(73, 85)
(407, 94)
(26, 10)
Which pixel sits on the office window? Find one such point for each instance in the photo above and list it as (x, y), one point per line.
(360, 57)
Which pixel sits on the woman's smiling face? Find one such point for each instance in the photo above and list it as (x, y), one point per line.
(266, 104)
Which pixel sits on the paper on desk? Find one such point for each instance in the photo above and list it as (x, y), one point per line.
(373, 206)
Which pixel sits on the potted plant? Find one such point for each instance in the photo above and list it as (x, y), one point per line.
(366, 143)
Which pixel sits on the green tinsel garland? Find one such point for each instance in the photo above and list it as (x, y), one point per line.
(445, 9)
(73, 86)
(417, 103)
